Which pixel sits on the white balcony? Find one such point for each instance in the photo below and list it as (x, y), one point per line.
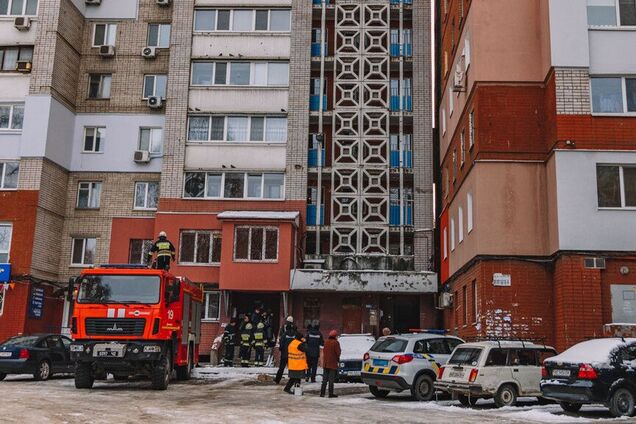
(363, 281)
(238, 99)
(248, 156)
(240, 45)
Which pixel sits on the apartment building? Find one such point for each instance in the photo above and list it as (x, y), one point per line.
(537, 154)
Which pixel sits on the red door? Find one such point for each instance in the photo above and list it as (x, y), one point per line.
(351, 319)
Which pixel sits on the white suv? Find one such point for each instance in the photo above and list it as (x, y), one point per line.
(406, 362)
(494, 369)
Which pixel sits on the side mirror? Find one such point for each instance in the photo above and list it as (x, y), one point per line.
(71, 288)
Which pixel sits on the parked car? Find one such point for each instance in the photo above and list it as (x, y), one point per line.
(353, 347)
(39, 354)
(503, 370)
(407, 362)
(595, 371)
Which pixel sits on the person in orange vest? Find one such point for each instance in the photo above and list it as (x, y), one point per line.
(296, 361)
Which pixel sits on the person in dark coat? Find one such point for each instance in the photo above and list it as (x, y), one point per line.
(229, 341)
(314, 343)
(287, 334)
(331, 357)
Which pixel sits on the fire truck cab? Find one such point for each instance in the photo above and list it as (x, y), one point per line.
(129, 320)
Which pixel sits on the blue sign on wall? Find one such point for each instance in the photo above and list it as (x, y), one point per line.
(5, 273)
(36, 303)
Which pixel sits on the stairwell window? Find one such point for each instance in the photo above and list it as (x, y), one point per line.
(256, 244)
(151, 140)
(212, 310)
(99, 86)
(94, 138)
(155, 85)
(11, 116)
(88, 195)
(9, 172)
(611, 12)
(104, 35)
(616, 185)
(200, 247)
(18, 7)
(83, 251)
(6, 231)
(138, 252)
(146, 195)
(159, 35)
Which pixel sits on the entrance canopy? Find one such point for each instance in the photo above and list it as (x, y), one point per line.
(363, 281)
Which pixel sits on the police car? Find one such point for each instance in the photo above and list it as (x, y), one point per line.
(407, 362)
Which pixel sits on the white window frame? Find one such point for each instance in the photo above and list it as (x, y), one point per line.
(101, 86)
(466, 53)
(84, 241)
(469, 212)
(460, 224)
(159, 39)
(621, 182)
(618, 19)
(462, 148)
(451, 102)
(90, 185)
(109, 27)
(445, 233)
(228, 73)
(249, 129)
(213, 234)
(146, 190)
(443, 119)
(144, 252)
(245, 188)
(24, 4)
(452, 234)
(623, 79)
(152, 140)
(206, 295)
(95, 130)
(154, 85)
(8, 251)
(3, 176)
(12, 106)
(231, 23)
(471, 129)
(264, 228)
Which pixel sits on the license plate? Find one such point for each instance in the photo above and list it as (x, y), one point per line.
(354, 373)
(456, 374)
(5, 354)
(109, 350)
(380, 362)
(561, 373)
(108, 354)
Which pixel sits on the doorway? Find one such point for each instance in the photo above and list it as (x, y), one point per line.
(400, 313)
(243, 303)
(351, 315)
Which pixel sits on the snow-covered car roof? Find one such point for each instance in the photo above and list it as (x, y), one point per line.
(354, 346)
(595, 352)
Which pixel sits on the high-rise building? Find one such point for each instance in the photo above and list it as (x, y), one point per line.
(537, 161)
(286, 149)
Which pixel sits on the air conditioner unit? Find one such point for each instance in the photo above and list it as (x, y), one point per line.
(594, 263)
(93, 2)
(141, 156)
(459, 82)
(163, 2)
(22, 23)
(155, 102)
(445, 300)
(23, 66)
(107, 51)
(149, 52)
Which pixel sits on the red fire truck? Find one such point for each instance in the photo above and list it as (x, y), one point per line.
(129, 320)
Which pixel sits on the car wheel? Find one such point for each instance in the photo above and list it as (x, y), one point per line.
(506, 396)
(379, 393)
(161, 373)
(423, 389)
(467, 400)
(84, 376)
(43, 371)
(2, 376)
(570, 407)
(621, 403)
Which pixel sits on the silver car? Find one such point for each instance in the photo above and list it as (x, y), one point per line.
(407, 362)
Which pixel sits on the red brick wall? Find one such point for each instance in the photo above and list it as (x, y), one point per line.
(20, 209)
(597, 132)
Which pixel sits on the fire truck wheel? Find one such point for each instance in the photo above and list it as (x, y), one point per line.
(161, 373)
(83, 376)
(184, 371)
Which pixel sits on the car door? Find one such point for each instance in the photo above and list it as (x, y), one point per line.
(496, 371)
(525, 370)
(66, 344)
(55, 351)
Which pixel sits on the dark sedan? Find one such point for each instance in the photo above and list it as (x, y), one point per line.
(39, 354)
(595, 371)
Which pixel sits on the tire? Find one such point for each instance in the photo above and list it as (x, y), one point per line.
(423, 388)
(184, 371)
(161, 373)
(467, 400)
(622, 403)
(379, 393)
(506, 396)
(2, 376)
(570, 407)
(43, 371)
(84, 376)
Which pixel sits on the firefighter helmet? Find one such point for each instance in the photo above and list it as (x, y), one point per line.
(248, 326)
(260, 325)
(162, 234)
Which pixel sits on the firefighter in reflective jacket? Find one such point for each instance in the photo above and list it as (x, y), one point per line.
(247, 340)
(164, 251)
(259, 345)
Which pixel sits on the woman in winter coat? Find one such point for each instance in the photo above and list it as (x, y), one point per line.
(331, 357)
(296, 361)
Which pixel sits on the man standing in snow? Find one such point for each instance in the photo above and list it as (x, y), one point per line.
(287, 334)
(314, 343)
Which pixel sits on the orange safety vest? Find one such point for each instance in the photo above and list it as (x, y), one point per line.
(296, 359)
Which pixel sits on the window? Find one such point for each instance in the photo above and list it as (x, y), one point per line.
(454, 164)
(460, 223)
(88, 194)
(94, 139)
(616, 186)
(445, 233)
(451, 101)
(212, 311)
(104, 35)
(257, 244)
(11, 117)
(243, 20)
(18, 7)
(234, 185)
(605, 12)
(146, 195)
(9, 56)
(5, 242)
(452, 234)
(462, 148)
(613, 94)
(200, 247)
(139, 249)
(465, 302)
(155, 85)
(83, 251)
(237, 128)
(99, 86)
(159, 35)
(151, 140)
(497, 358)
(446, 178)
(258, 74)
(469, 212)
(471, 129)
(475, 308)
(443, 119)
(466, 53)
(9, 172)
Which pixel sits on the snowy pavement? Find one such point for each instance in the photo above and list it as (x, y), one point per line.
(222, 395)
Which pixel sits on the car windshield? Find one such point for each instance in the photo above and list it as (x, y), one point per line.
(390, 345)
(465, 356)
(119, 289)
(21, 341)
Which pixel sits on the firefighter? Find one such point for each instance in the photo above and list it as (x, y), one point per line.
(164, 251)
(314, 343)
(247, 340)
(229, 341)
(286, 335)
(259, 345)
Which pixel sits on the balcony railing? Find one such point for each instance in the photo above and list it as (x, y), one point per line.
(406, 103)
(395, 212)
(407, 159)
(406, 50)
(314, 102)
(312, 157)
(312, 212)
